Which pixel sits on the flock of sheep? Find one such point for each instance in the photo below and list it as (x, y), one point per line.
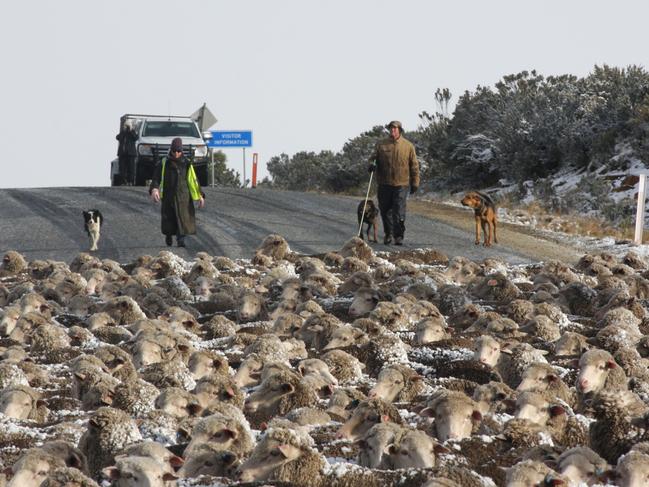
(348, 369)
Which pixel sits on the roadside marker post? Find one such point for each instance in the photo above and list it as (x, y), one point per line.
(639, 214)
(254, 170)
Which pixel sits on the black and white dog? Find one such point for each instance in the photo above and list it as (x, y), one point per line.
(92, 223)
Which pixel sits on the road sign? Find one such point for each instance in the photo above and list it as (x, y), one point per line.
(230, 138)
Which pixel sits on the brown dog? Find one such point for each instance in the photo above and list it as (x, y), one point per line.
(371, 217)
(485, 215)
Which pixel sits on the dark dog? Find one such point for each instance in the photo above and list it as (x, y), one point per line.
(485, 215)
(92, 223)
(371, 217)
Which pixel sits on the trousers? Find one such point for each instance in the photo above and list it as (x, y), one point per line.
(392, 205)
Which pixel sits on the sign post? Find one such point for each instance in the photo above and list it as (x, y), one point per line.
(228, 139)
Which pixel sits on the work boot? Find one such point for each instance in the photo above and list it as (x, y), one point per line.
(181, 241)
(168, 240)
(387, 240)
(398, 240)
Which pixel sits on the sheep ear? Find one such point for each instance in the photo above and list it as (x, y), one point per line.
(182, 347)
(287, 388)
(551, 481)
(476, 415)
(440, 449)
(300, 369)
(40, 403)
(552, 378)
(230, 432)
(416, 378)
(194, 408)
(361, 444)
(176, 461)
(111, 473)
(289, 451)
(611, 364)
(385, 418)
(575, 363)
(557, 410)
(427, 412)
(169, 476)
(390, 449)
(229, 391)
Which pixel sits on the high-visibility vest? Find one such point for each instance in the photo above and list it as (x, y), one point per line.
(192, 181)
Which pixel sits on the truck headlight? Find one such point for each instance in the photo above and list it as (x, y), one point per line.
(144, 149)
(201, 151)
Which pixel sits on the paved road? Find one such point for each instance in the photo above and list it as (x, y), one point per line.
(46, 223)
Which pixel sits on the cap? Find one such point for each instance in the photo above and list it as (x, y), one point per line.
(176, 144)
(395, 123)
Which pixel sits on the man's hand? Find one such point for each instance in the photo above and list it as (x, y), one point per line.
(413, 189)
(155, 195)
(201, 202)
(371, 168)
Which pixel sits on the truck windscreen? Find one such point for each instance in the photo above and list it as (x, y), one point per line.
(170, 129)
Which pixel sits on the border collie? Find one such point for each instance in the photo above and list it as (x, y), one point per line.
(92, 223)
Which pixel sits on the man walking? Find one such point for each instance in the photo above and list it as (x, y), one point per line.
(126, 152)
(397, 172)
(175, 184)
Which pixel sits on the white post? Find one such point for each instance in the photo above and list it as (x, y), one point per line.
(212, 152)
(244, 167)
(639, 214)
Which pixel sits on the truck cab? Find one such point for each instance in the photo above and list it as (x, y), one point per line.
(154, 136)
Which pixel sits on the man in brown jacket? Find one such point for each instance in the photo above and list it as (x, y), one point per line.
(397, 172)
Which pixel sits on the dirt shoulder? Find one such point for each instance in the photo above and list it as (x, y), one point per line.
(518, 237)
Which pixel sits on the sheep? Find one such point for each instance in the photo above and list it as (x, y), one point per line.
(12, 375)
(23, 402)
(517, 358)
(277, 395)
(344, 336)
(578, 299)
(308, 417)
(390, 315)
(222, 433)
(272, 348)
(493, 397)
(177, 402)
(373, 445)
(353, 264)
(342, 401)
(218, 387)
(180, 320)
(495, 287)
(135, 396)
(154, 450)
(117, 362)
(570, 344)
(218, 327)
(274, 246)
(343, 366)
(367, 414)
(541, 327)
(543, 378)
(132, 471)
(582, 465)
(109, 431)
(633, 469)
(411, 449)
(530, 472)
(599, 371)
(33, 467)
(397, 382)
(317, 368)
(205, 362)
(456, 415)
(67, 477)
(13, 263)
(357, 247)
(461, 270)
(431, 330)
(284, 454)
(173, 373)
(355, 281)
(123, 310)
(451, 299)
(365, 300)
(205, 460)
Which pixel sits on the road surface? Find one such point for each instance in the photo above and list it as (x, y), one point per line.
(47, 223)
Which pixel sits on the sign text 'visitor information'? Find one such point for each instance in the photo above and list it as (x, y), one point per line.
(230, 138)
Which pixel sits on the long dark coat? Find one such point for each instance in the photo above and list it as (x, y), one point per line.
(177, 208)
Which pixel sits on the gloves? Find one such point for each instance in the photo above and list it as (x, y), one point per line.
(371, 168)
(413, 189)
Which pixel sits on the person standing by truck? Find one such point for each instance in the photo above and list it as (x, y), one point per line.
(126, 153)
(397, 168)
(175, 184)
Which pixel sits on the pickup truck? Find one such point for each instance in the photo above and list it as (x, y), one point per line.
(154, 136)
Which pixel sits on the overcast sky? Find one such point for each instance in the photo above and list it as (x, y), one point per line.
(301, 74)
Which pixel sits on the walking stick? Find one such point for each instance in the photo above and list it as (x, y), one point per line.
(360, 227)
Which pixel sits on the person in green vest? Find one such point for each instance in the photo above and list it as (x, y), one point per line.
(175, 184)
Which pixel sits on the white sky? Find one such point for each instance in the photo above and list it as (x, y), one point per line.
(301, 74)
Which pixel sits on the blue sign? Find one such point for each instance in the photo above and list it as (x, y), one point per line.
(230, 138)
